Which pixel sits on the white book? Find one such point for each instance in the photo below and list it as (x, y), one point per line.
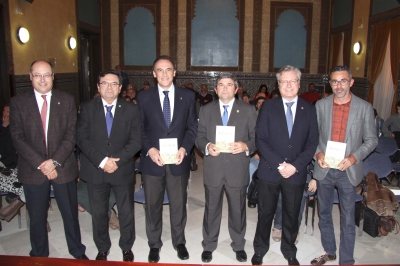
(335, 152)
(169, 150)
(224, 136)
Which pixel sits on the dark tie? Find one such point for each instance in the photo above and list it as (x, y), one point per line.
(43, 116)
(167, 109)
(289, 117)
(225, 115)
(109, 119)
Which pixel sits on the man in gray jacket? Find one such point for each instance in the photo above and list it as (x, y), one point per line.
(342, 117)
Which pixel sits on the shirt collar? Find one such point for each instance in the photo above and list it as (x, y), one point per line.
(114, 103)
(170, 89)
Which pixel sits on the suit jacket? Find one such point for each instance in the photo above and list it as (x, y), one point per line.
(183, 127)
(124, 141)
(234, 167)
(27, 135)
(360, 135)
(274, 144)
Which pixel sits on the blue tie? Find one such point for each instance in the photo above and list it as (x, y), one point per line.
(289, 117)
(225, 115)
(109, 119)
(167, 109)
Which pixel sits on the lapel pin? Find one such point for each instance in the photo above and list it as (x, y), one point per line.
(119, 105)
(58, 102)
(181, 98)
(237, 111)
(302, 108)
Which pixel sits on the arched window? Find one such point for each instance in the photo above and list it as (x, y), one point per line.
(290, 40)
(139, 38)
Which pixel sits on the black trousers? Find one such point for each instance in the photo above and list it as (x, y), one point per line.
(154, 187)
(268, 194)
(37, 202)
(99, 195)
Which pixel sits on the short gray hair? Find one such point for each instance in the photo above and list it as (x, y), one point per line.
(341, 68)
(228, 76)
(287, 69)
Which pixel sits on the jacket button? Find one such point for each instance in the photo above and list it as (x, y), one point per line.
(167, 134)
(289, 146)
(285, 159)
(108, 143)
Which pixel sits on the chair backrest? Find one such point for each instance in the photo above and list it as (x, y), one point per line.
(386, 146)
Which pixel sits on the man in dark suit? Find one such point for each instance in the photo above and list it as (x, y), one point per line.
(226, 171)
(42, 127)
(108, 135)
(167, 111)
(287, 137)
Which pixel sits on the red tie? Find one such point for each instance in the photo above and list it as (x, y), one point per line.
(43, 115)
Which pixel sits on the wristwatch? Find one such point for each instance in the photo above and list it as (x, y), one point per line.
(56, 163)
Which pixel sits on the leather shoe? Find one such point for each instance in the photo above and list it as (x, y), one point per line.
(251, 205)
(127, 255)
(206, 256)
(293, 261)
(241, 256)
(82, 257)
(154, 255)
(102, 255)
(257, 259)
(183, 254)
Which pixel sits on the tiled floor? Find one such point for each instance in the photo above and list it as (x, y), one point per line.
(368, 250)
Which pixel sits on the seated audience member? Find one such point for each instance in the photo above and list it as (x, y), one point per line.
(246, 98)
(131, 91)
(379, 123)
(262, 89)
(204, 97)
(240, 92)
(8, 172)
(127, 98)
(96, 95)
(123, 93)
(275, 93)
(311, 95)
(261, 94)
(391, 127)
(259, 102)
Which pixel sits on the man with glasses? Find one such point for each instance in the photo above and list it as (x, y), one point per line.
(108, 134)
(42, 126)
(345, 118)
(286, 139)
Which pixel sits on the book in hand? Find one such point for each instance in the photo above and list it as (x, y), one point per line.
(225, 135)
(335, 152)
(169, 150)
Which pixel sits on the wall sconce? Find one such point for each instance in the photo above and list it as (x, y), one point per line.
(72, 43)
(23, 35)
(357, 48)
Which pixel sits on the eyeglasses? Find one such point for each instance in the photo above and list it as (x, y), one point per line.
(39, 76)
(106, 84)
(335, 82)
(292, 82)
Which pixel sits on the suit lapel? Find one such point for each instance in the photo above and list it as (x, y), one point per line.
(353, 113)
(118, 115)
(55, 104)
(102, 117)
(33, 110)
(281, 116)
(157, 106)
(235, 113)
(177, 106)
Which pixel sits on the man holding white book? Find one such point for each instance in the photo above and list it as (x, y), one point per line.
(343, 119)
(226, 134)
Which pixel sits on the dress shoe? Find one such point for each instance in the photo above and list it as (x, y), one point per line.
(257, 259)
(113, 222)
(154, 255)
(251, 204)
(102, 255)
(8, 212)
(293, 261)
(82, 257)
(183, 254)
(127, 255)
(276, 234)
(322, 259)
(206, 256)
(241, 256)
